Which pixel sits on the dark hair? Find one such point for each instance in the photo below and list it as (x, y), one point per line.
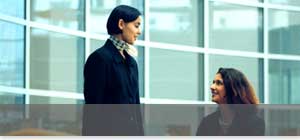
(127, 13)
(238, 88)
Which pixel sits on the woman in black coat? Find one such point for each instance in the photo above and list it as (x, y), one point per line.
(111, 73)
(111, 79)
(237, 107)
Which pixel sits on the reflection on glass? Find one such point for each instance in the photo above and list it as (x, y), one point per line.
(11, 98)
(95, 44)
(231, 30)
(176, 75)
(288, 2)
(56, 61)
(64, 13)
(100, 10)
(251, 67)
(284, 32)
(140, 61)
(247, 0)
(179, 22)
(284, 81)
(53, 100)
(56, 114)
(11, 54)
(13, 8)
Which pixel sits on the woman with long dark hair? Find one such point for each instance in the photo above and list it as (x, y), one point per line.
(237, 107)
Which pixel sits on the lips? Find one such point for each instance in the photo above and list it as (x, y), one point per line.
(214, 92)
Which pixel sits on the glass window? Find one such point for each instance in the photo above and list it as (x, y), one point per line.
(64, 13)
(13, 8)
(284, 81)
(284, 32)
(95, 44)
(229, 29)
(247, 0)
(11, 98)
(56, 114)
(288, 2)
(56, 61)
(176, 75)
(140, 61)
(176, 21)
(53, 100)
(251, 67)
(100, 10)
(12, 42)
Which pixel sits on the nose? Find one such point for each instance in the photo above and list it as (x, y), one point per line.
(139, 31)
(212, 86)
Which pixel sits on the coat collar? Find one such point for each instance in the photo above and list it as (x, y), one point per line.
(116, 54)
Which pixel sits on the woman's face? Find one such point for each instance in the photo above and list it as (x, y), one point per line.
(218, 90)
(130, 30)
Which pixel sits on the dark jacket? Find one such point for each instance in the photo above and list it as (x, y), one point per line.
(110, 79)
(242, 125)
(111, 93)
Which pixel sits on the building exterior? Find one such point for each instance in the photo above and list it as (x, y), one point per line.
(44, 44)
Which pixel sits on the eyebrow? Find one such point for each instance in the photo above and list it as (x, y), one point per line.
(221, 81)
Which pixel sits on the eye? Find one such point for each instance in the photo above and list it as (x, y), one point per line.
(219, 82)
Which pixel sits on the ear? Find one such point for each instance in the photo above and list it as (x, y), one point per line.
(121, 24)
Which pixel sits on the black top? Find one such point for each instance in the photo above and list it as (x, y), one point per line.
(109, 78)
(111, 94)
(242, 125)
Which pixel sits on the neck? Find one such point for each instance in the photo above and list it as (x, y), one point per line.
(227, 114)
(118, 36)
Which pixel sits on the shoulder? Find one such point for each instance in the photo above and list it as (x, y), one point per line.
(208, 125)
(211, 118)
(102, 54)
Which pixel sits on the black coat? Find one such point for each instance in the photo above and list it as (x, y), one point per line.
(111, 94)
(110, 79)
(245, 125)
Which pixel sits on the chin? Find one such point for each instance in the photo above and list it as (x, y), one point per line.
(213, 100)
(131, 43)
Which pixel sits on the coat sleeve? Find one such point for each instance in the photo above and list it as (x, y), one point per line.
(95, 72)
(137, 95)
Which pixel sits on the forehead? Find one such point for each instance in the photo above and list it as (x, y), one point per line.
(218, 76)
(138, 20)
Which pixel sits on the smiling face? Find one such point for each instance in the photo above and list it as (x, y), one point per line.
(218, 90)
(130, 30)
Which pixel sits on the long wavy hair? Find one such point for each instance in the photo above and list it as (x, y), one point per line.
(237, 86)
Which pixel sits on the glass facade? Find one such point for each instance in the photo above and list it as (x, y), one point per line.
(176, 75)
(284, 77)
(231, 30)
(63, 13)
(11, 98)
(182, 45)
(177, 22)
(53, 65)
(14, 8)
(284, 32)
(12, 61)
(286, 2)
